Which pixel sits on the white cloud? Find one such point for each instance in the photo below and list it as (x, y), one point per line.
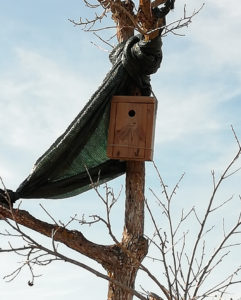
(215, 32)
(38, 99)
(183, 114)
(200, 72)
(40, 96)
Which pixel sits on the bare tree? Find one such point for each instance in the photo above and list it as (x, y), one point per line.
(185, 274)
(146, 19)
(186, 260)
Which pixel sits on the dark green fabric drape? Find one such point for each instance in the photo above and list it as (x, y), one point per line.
(61, 171)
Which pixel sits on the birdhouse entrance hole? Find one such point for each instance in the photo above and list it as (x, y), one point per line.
(131, 128)
(131, 113)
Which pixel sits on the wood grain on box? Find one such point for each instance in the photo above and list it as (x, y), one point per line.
(131, 128)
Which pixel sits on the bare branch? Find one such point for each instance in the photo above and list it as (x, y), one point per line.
(48, 214)
(236, 137)
(89, 24)
(162, 248)
(222, 204)
(207, 269)
(184, 21)
(72, 239)
(203, 223)
(16, 250)
(224, 284)
(88, 4)
(104, 41)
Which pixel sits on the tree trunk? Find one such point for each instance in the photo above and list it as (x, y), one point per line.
(134, 210)
(133, 247)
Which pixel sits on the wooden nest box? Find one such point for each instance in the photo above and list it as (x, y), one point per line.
(131, 128)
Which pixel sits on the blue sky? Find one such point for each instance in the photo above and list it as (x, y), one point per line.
(49, 69)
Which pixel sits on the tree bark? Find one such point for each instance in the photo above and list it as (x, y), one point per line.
(134, 246)
(134, 210)
(105, 255)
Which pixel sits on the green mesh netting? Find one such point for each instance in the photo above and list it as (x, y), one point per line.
(61, 171)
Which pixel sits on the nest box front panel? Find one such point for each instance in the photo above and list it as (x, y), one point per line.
(131, 128)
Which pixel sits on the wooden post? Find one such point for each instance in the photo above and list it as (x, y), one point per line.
(135, 189)
(134, 208)
(134, 246)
